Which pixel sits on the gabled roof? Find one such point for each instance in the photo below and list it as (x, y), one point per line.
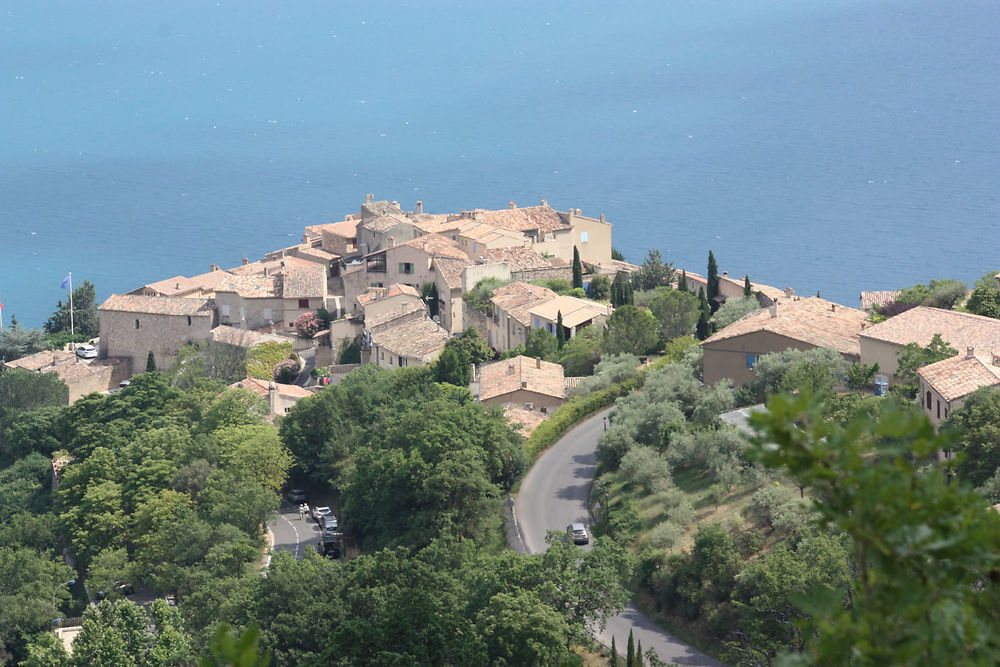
(574, 311)
(520, 258)
(256, 286)
(450, 269)
(373, 294)
(520, 373)
(812, 320)
(181, 285)
(435, 223)
(159, 305)
(414, 338)
(317, 253)
(246, 338)
(384, 223)
(918, 325)
(405, 309)
(44, 360)
(485, 233)
(346, 229)
(373, 209)
(528, 420)
(435, 245)
(524, 219)
(879, 298)
(302, 279)
(959, 376)
(517, 298)
(262, 388)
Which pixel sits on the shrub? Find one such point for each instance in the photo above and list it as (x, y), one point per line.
(641, 466)
(600, 288)
(286, 371)
(665, 535)
(308, 324)
(262, 359)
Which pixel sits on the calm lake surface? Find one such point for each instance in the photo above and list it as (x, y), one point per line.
(833, 145)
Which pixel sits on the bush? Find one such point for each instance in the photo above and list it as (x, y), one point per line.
(286, 371)
(665, 535)
(612, 369)
(308, 324)
(262, 359)
(600, 288)
(642, 466)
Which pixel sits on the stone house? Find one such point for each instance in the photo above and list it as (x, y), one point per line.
(201, 286)
(521, 381)
(451, 281)
(945, 385)
(132, 326)
(576, 314)
(385, 230)
(410, 263)
(82, 377)
(409, 340)
(280, 397)
(883, 342)
(801, 324)
(475, 237)
(509, 317)
(275, 296)
(379, 300)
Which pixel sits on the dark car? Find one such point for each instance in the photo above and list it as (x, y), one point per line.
(329, 546)
(328, 524)
(578, 533)
(296, 496)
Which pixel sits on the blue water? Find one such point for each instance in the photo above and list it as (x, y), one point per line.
(834, 146)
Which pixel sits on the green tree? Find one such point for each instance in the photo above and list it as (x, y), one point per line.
(450, 367)
(937, 294)
(118, 633)
(150, 362)
(734, 309)
(560, 331)
(712, 292)
(923, 548)
(654, 272)
(33, 594)
(675, 311)
(262, 359)
(913, 357)
(350, 351)
(254, 453)
(747, 287)
(630, 650)
(817, 370)
(84, 313)
(600, 288)
(976, 428)
(520, 629)
(985, 301)
(429, 293)
(703, 328)
(682, 282)
(617, 255)
(581, 352)
(540, 344)
(613, 658)
(631, 330)
(22, 390)
(16, 342)
(224, 650)
(577, 268)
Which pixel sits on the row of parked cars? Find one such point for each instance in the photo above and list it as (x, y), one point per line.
(329, 529)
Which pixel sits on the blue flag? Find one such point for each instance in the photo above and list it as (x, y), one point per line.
(65, 282)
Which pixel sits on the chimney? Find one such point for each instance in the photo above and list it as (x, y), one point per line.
(789, 292)
(524, 384)
(864, 325)
(420, 207)
(579, 212)
(246, 260)
(512, 204)
(833, 307)
(395, 203)
(213, 267)
(266, 272)
(725, 274)
(970, 352)
(510, 369)
(538, 363)
(545, 202)
(774, 309)
(368, 198)
(996, 359)
(177, 285)
(272, 397)
(602, 218)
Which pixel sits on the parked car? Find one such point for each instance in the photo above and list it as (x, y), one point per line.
(319, 512)
(119, 587)
(328, 524)
(86, 351)
(296, 496)
(578, 533)
(329, 546)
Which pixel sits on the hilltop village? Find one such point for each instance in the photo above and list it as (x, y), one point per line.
(393, 282)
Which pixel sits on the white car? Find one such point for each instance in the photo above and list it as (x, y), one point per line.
(86, 351)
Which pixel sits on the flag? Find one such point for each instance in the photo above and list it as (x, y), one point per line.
(65, 282)
(1, 306)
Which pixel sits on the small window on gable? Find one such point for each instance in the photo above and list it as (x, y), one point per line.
(545, 411)
(584, 237)
(751, 361)
(137, 323)
(939, 409)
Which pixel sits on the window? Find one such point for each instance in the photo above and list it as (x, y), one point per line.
(303, 303)
(137, 324)
(751, 361)
(545, 411)
(189, 320)
(928, 403)
(474, 247)
(225, 310)
(268, 314)
(584, 237)
(406, 267)
(549, 325)
(401, 362)
(529, 405)
(538, 323)
(939, 409)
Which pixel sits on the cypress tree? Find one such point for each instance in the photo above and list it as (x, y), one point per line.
(614, 653)
(682, 283)
(747, 289)
(713, 282)
(630, 651)
(560, 333)
(577, 268)
(638, 654)
(703, 327)
(618, 291)
(629, 294)
(150, 362)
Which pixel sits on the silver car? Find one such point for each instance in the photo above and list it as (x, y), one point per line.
(578, 533)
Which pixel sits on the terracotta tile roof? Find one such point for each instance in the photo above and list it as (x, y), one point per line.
(256, 268)
(373, 209)
(574, 311)
(373, 294)
(812, 320)
(160, 305)
(961, 375)
(302, 278)
(257, 286)
(520, 258)
(405, 309)
(451, 269)
(345, 229)
(435, 223)
(46, 359)
(918, 325)
(384, 223)
(523, 219)
(616, 265)
(181, 285)
(436, 245)
(509, 375)
(410, 338)
(485, 233)
(528, 420)
(882, 298)
(262, 387)
(242, 337)
(517, 298)
(71, 373)
(317, 253)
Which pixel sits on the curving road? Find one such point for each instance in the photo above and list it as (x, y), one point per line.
(291, 533)
(554, 494)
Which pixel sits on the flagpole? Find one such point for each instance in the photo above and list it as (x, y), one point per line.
(72, 331)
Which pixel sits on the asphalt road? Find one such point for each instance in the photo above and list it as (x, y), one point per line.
(554, 494)
(292, 534)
